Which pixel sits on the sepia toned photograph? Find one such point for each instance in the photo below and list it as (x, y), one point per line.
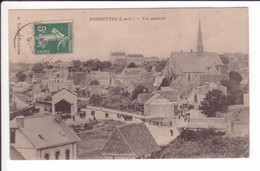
(147, 83)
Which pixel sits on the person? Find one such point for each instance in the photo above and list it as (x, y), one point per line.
(73, 117)
(171, 131)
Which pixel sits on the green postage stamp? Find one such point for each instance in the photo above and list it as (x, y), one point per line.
(53, 38)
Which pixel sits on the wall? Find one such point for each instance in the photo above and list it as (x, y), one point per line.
(62, 149)
(66, 95)
(164, 110)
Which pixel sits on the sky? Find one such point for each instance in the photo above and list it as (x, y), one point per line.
(224, 30)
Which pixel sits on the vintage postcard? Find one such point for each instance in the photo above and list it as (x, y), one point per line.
(151, 83)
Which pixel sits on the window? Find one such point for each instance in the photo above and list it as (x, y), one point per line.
(47, 156)
(67, 154)
(57, 155)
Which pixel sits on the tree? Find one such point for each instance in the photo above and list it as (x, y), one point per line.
(234, 93)
(105, 66)
(215, 101)
(236, 76)
(139, 90)
(20, 76)
(38, 68)
(160, 65)
(94, 82)
(131, 65)
(118, 68)
(165, 83)
(148, 68)
(95, 100)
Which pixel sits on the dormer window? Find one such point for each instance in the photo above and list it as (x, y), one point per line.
(41, 136)
(61, 133)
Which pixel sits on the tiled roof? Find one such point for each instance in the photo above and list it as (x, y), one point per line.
(44, 131)
(170, 95)
(142, 98)
(66, 90)
(151, 99)
(100, 75)
(24, 98)
(14, 154)
(131, 139)
(190, 62)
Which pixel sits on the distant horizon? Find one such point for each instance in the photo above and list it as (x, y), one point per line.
(224, 30)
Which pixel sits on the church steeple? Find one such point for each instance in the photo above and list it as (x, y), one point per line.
(200, 44)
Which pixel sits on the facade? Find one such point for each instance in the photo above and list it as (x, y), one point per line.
(158, 105)
(138, 59)
(130, 141)
(43, 138)
(117, 57)
(64, 101)
(104, 78)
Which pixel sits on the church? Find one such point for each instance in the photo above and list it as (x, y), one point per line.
(192, 64)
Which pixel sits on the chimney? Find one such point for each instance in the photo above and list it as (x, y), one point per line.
(20, 121)
(58, 117)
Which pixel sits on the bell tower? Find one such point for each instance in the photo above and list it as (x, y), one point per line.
(200, 48)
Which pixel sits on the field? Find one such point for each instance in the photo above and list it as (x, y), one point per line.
(94, 140)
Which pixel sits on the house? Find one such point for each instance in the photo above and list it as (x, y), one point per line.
(117, 57)
(215, 78)
(20, 87)
(131, 87)
(237, 121)
(159, 105)
(43, 137)
(104, 78)
(59, 80)
(64, 101)
(80, 80)
(40, 78)
(130, 141)
(138, 59)
(182, 86)
(41, 92)
(202, 91)
(21, 100)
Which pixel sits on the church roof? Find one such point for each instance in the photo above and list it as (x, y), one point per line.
(191, 62)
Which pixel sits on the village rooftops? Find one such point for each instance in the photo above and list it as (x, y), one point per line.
(45, 132)
(131, 139)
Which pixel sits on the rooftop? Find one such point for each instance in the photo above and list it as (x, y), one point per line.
(133, 139)
(45, 132)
